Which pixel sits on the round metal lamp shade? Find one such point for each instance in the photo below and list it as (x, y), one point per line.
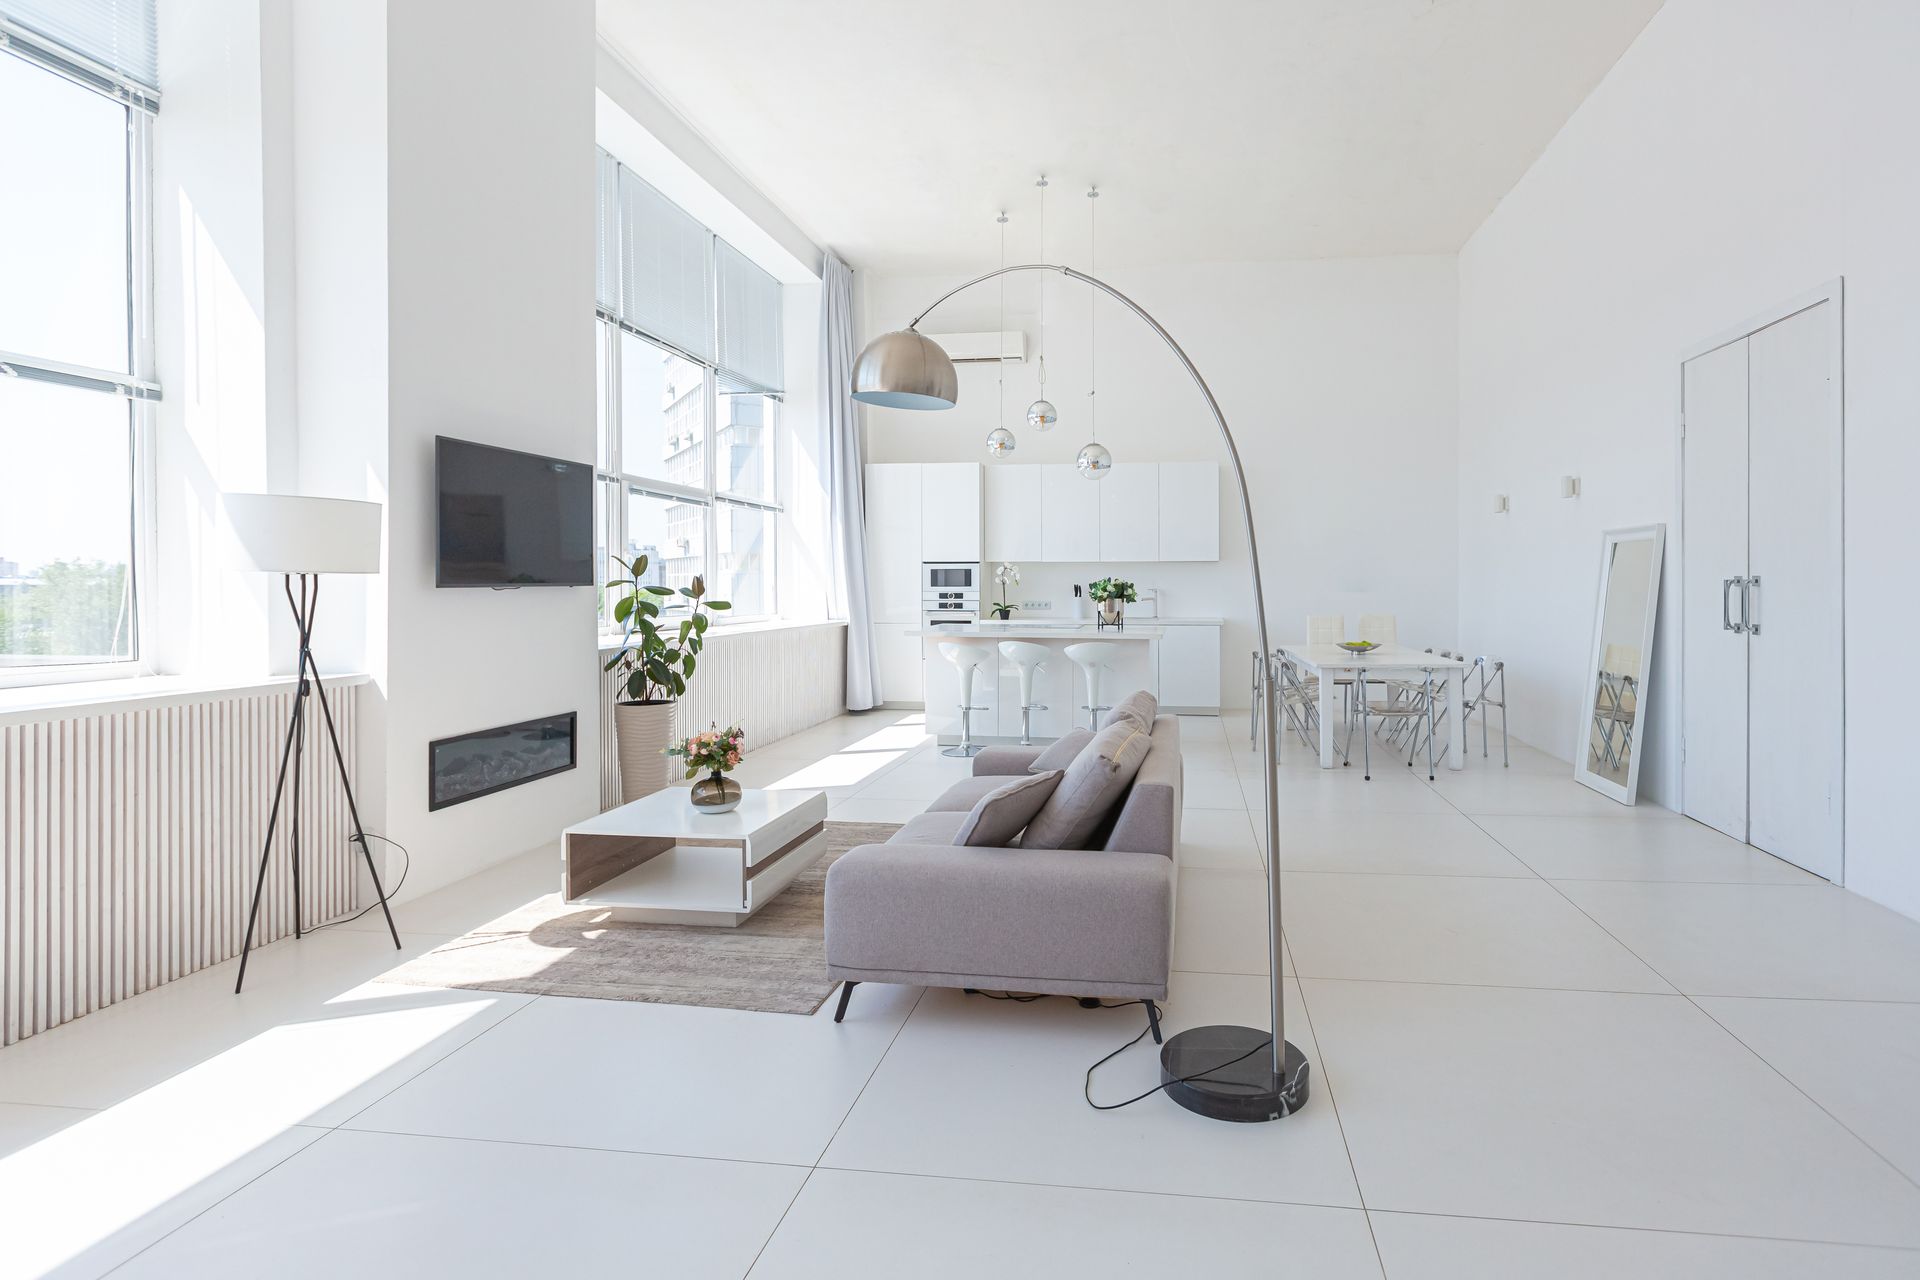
(905, 370)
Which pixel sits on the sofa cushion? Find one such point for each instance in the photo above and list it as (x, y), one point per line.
(928, 828)
(966, 793)
(1139, 705)
(1003, 813)
(1062, 751)
(1090, 788)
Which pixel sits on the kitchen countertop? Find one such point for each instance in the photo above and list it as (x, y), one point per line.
(1043, 631)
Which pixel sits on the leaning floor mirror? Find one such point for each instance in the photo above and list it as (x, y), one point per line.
(1613, 715)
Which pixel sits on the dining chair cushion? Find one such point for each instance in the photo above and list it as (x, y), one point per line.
(1139, 706)
(1062, 751)
(1003, 813)
(1089, 789)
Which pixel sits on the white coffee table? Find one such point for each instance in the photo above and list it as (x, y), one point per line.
(661, 861)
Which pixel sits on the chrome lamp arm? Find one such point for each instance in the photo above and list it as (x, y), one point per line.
(1287, 1088)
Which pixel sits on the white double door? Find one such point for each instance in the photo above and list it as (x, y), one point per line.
(1762, 664)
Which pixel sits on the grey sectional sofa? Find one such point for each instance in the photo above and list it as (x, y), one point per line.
(1087, 922)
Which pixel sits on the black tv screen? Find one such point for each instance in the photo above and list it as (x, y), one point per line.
(512, 519)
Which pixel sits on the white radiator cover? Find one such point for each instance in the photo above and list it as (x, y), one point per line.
(130, 838)
(772, 683)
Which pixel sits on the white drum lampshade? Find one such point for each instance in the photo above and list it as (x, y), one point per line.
(281, 533)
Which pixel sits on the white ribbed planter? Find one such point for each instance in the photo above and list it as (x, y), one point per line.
(645, 731)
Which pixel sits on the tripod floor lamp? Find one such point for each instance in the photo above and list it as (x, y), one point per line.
(1223, 1072)
(302, 538)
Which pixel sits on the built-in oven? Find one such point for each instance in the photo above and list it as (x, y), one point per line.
(949, 593)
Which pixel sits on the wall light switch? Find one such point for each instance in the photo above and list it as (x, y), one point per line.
(1569, 486)
(1499, 504)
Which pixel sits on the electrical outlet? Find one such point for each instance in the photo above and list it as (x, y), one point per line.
(1037, 606)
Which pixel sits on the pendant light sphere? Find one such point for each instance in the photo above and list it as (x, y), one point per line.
(1094, 462)
(1000, 443)
(1041, 415)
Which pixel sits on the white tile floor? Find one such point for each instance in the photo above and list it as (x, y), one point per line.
(1550, 1037)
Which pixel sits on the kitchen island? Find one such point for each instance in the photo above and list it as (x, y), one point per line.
(1181, 656)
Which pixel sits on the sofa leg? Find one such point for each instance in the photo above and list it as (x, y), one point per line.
(846, 992)
(1153, 1020)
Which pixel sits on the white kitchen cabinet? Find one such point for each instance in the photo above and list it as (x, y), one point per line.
(893, 577)
(1189, 504)
(950, 512)
(1129, 512)
(1013, 521)
(901, 652)
(1069, 514)
(893, 540)
(1190, 668)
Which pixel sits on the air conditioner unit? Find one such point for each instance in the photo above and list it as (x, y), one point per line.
(983, 348)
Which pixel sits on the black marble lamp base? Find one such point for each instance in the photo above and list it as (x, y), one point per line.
(1191, 1067)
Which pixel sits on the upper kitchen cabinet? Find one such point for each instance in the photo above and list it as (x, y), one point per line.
(1189, 511)
(1131, 512)
(950, 512)
(1014, 527)
(1069, 514)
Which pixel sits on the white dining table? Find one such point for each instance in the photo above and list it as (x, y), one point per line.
(1389, 661)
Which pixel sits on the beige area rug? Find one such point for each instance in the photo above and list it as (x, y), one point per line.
(774, 963)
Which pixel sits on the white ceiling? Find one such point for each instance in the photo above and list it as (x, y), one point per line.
(1217, 130)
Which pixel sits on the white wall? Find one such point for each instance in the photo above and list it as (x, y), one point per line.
(490, 271)
(211, 431)
(1337, 378)
(1740, 153)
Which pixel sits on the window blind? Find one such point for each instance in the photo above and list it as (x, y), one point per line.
(606, 282)
(748, 323)
(666, 270)
(663, 274)
(110, 44)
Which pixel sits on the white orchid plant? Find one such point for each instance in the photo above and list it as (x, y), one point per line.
(1006, 575)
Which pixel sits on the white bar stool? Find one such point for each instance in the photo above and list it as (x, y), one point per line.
(1027, 658)
(969, 658)
(1095, 658)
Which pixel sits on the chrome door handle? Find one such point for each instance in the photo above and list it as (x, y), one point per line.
(1748, 590)
(1726, 606)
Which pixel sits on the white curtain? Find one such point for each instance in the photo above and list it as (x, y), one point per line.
(846, 505)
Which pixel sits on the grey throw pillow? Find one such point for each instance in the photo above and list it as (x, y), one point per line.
(1003, 813)
(1092, 785)
(1139, 706)
(1062, 751)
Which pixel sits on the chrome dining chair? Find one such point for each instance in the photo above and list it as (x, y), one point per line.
(1399, 709)
(1299, 700)
(1488, 670)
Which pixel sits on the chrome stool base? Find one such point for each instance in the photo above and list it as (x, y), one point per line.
(966, 747)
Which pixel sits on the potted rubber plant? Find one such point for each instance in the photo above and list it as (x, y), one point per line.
(1113, 595)
(656, 658)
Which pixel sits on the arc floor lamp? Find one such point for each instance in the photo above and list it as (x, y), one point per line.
(1224, 1072)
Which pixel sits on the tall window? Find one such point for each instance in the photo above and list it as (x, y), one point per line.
(690, 373)
(76, 357)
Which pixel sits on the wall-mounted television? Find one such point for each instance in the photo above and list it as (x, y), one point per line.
(512, 519)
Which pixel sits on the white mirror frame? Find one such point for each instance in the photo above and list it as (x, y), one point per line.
(1583, 749)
